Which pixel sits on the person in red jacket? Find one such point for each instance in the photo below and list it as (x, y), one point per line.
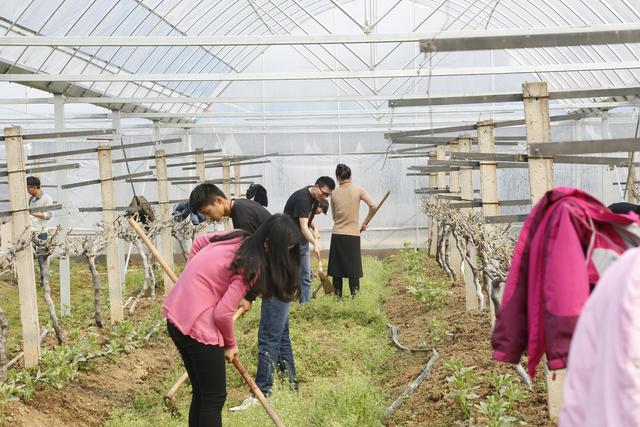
(220, 269)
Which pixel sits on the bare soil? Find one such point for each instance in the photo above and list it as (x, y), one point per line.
(467, 337)
(89, 400)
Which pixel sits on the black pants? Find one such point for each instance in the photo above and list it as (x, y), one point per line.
(205, 365)
(354, 286)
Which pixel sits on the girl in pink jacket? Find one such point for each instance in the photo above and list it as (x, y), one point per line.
(220, 269)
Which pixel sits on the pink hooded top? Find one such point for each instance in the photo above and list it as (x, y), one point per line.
(204, 299)
(552, 273)
(602, 387)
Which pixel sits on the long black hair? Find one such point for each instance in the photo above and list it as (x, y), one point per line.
(274, 268)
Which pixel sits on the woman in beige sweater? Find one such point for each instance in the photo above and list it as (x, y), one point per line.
(344, 253)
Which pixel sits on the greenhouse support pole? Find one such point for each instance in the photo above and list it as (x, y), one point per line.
(433, 228)
(61, 178)
(21, 225)
(441, 179)
(166, 239)
(466, 194)
(536, 112)
(200, 169)
(488, 170)
(200, 173)
(236, 172)
(454, 190)
(226, 187)
(488, 182)
(454, 176)
(122, 252)
(109, 217)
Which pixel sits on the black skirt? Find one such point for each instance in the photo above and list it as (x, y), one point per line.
(344, 256)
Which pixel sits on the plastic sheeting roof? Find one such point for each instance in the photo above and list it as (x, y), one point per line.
(262, 17)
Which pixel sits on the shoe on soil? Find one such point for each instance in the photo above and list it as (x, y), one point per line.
(250, 401)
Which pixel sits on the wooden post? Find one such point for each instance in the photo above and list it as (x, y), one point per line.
(226, 187)
(5, 233)
(123, 252)
(166, 239)
(441, 178)
(631, 178)
(109, 216)
(454, 176)
(61, 178)
(433, 229)
(488, 182)
(21, 226)
(536, 112)
(236, 173)
(200, 169)
(454, 189)
(488, 174)
(466, 194)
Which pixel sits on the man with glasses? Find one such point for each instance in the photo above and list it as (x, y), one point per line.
(299, 207)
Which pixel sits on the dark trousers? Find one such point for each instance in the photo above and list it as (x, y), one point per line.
(205, 365)
(354, 286)
(274, 344)
(41, 256)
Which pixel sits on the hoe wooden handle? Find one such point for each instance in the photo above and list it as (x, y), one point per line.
(256, 391)
(154, 251)
(375, 211)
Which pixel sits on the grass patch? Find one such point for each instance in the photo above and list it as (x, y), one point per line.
(339, 348)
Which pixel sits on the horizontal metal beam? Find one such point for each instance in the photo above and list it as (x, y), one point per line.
(95, 149)
(173, 180)
(471, 127)
(98, 181)
(585, 147)
(169, 155)
(409, 101)
(66, 134)
(49, 208)
(574, 160)
(442, 140)
(485, 98)
(236, 40)
(505, 219)
(129, 208)
(428, 170)
(468, 164)
(437, 40)
(321, 75)
(43, 169)
(219, 165)
(531, 38)
(428, 190)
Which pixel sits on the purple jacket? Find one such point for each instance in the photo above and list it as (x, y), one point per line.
(552, 273)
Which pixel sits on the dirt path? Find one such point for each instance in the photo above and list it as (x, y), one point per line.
(466, 336)
(89, 400)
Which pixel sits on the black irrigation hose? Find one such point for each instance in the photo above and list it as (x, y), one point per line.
(412, 387)
(394, 337)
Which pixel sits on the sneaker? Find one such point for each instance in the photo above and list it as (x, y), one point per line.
(250, 401)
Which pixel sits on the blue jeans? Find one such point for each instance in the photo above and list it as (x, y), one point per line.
(305, 273)
(274, 344)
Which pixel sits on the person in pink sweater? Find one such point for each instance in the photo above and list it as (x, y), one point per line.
(221, 268)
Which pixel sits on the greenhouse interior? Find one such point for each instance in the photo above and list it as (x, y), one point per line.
(186, 185)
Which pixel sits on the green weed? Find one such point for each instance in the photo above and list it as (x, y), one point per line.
(463, 382)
